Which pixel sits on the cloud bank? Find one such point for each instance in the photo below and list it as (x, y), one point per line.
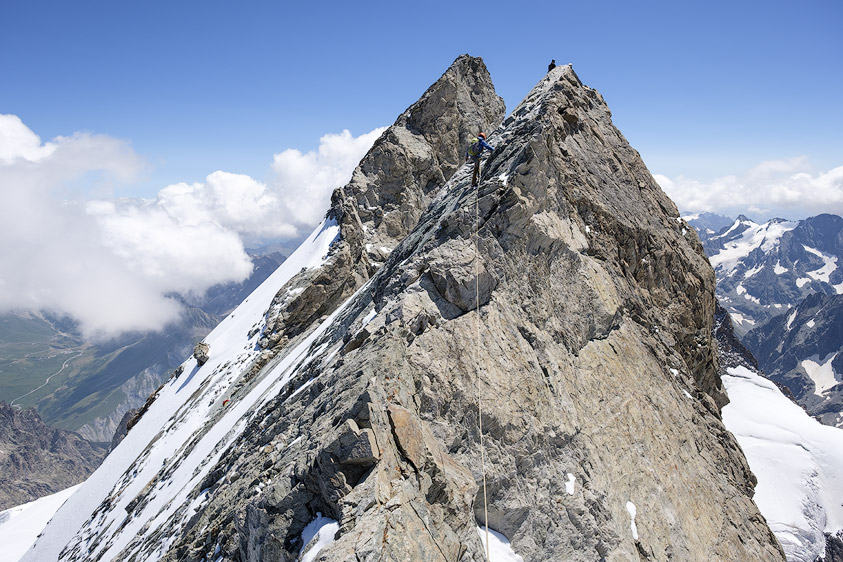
(782, 188)
(112, 264)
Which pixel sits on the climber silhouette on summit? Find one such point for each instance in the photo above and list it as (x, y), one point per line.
(552, 65)
(473, 152)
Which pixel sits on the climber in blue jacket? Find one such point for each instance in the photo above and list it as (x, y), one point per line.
(473, 152)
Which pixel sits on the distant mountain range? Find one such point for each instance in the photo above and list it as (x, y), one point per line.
(782, 284)
(803, 350)
(762, 269)
(78, 386)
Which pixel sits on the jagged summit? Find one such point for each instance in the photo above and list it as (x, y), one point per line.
(391, 187)
(354, 386)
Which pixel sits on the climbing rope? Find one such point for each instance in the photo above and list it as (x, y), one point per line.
(477, 357)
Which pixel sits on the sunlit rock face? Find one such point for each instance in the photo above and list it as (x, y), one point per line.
(561, 303)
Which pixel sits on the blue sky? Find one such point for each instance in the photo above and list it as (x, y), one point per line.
(701, 89)
(153, 141)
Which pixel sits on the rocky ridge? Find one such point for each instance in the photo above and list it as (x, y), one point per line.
(579, 331)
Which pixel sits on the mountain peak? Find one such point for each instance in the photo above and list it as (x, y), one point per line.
(432, 338)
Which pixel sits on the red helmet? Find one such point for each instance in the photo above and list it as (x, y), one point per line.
(482, 135)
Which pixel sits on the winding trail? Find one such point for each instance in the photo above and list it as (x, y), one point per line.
(46, 382)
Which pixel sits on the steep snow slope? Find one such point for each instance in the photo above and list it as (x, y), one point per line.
(176, 425)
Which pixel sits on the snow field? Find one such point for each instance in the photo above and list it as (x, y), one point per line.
(765, 236)
(797, 460)
(19, 526)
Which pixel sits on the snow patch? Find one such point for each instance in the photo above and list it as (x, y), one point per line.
(740, 320)
(778, 269)
(752, 271)
(369, 316)
(790, 319)
(499, 548)
(630, 507)
(821, 372)
(802, 281)
(569, 485)
(323, 529)
(829, 265)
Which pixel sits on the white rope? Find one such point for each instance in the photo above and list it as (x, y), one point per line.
(477, 357)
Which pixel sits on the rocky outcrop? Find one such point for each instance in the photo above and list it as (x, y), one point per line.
(730, 351)
(591, 359)
(200, 353)
(37, 460)
(833, 548)
(123, 427)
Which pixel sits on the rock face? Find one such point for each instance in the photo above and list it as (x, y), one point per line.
(730, 351)
(803, 350)
(579, 335)
(388, 192)
(37, 460)
(590, 294)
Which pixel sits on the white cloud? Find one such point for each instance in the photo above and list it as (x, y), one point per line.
(786, 188)
(18, 142)
(304, 182)
(53, 257)
(111, 264)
